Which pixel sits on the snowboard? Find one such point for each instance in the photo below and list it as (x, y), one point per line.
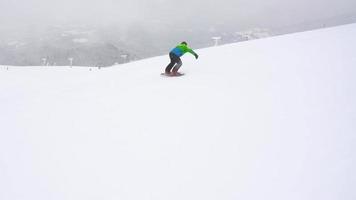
(171, 75)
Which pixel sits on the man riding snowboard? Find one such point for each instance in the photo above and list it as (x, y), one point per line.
(176, 62)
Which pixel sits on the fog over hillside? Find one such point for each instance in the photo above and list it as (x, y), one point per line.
(102, 33)
(268, 119)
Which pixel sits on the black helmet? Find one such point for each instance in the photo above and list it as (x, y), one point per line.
(185, 43)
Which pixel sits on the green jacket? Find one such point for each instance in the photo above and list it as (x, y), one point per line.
(181, 49)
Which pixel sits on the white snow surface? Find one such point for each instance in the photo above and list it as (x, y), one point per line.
(270, 119)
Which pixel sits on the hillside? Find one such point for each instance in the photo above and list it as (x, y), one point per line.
(265, 119)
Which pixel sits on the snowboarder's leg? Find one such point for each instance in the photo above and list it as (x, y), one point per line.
(177, 66)
(169, 67)
(174, 59)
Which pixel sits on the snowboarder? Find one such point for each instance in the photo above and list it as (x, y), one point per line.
(176, 62)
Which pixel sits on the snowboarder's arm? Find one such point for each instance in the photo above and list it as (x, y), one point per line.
(192, 52)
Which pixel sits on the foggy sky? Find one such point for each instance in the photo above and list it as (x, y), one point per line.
(243, 12)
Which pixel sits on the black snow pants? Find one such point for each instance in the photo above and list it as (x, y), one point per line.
(175, 62)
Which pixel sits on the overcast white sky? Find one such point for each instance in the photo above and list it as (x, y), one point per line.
(259, 12)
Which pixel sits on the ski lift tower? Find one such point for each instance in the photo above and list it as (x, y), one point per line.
(124, 57)
(216, 40)
(70, 62)
(44, 61)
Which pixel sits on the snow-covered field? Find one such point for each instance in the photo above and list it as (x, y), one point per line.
(270, 119)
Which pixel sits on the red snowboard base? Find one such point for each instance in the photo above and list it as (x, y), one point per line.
(171, 75)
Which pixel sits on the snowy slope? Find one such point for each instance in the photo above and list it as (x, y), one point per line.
(266, 119)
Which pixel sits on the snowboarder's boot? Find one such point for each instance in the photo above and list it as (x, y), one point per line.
(175, 72)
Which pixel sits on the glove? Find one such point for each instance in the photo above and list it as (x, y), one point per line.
(196, 56)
